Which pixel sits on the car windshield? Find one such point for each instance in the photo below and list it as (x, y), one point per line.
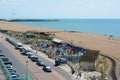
(41, 62)
(29, 52)
(19, 45)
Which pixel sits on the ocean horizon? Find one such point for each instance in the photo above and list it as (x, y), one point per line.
(96, 26)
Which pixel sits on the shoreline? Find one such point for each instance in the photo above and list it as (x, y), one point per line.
(86, 40)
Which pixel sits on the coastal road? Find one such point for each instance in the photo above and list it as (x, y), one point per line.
(16, 63)
(35, 71)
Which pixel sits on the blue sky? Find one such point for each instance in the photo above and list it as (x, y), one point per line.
(38, 9)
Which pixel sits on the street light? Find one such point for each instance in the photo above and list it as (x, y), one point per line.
(26, 70)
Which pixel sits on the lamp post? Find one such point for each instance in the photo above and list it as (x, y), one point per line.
(26, 70)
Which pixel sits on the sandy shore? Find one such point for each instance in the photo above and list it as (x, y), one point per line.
(91, 41)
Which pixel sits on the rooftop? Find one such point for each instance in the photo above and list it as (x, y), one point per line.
(90, 56)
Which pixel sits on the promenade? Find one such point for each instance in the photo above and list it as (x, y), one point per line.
(2, 74)
(66, 68)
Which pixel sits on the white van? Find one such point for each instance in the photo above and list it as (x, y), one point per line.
(19, 45)
(26, 50)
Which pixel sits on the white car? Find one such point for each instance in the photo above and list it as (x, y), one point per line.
(29, 52)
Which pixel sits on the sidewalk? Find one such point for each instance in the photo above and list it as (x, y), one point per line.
(2, 74)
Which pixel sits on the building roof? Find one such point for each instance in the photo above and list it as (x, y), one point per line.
(90, 56)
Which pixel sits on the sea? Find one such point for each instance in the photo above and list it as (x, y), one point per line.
(96, 26)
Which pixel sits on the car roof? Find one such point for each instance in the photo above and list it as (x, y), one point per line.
(29, 52)
(47, 66)
(19, 43)
(34, 56)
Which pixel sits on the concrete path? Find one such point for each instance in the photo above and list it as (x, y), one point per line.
(2, 75)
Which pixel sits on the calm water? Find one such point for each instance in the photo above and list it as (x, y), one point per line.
(98, 26)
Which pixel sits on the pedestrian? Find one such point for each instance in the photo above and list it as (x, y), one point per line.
(72, 70)
(80, 74)
(36, 51)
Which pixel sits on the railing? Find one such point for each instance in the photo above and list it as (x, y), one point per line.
(6, 70)
(8, 73)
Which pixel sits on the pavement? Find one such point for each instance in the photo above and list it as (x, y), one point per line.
(2, 74)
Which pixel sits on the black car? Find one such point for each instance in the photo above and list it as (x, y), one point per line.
(4, 59)
(7, 62)
(47, 68)
(40, 63)
(34, 58)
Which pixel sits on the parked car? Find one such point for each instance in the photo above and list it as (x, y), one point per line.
(47, 68)
(9, 66)
(19, 45)
(30, 55)
(29, 52)
(7, 62)
(60, 60)
(14, 75)
(18, 78)
(40, 63)
(11, 70)
(24, 50)
(7, 39)
(4, 59)
(34, 58)
(2, 54)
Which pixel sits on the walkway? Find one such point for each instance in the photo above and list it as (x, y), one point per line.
(2, 75)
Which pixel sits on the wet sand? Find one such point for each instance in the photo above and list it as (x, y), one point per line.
(91, 41)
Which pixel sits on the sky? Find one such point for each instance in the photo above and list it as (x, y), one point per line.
(40, 9)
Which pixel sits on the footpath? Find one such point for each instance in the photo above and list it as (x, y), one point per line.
(2, 74)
